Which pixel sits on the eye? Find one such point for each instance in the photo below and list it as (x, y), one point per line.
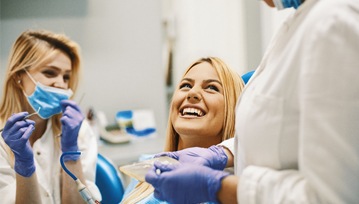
(67, 77)
(213, 87)
(185, 85)
(49, 73)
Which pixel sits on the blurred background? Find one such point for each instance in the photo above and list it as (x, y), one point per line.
(135, 51)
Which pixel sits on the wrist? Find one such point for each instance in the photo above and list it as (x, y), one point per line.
(72, 148)
(24, 167)
(69, 146)
(71, 157)
(228, 190)
(215, 184)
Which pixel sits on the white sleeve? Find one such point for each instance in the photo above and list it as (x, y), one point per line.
(328, 153)
(229, 144)
(7, 177)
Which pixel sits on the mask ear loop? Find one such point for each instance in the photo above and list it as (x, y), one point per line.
(28, 74)
(32, 79)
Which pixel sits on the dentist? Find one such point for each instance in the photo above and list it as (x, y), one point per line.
(42, 74)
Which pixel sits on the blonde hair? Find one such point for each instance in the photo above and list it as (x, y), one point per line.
(34, 49)
(232, 87)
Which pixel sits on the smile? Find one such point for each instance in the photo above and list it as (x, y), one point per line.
(192, 112)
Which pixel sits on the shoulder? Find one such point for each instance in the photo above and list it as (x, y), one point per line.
(327, 14)
(331, 23)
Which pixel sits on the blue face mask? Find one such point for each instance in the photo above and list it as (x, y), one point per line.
(282, 4)
(47, 99)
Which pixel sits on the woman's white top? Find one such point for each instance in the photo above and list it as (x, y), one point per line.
(48, 167)
(297, 121)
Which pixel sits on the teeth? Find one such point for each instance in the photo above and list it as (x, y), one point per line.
(192, 111)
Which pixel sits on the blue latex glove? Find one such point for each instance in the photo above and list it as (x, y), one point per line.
(71, 121)
(213, 157)
(185, 183)
(16, 135)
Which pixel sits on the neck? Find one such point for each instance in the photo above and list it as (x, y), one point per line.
(193, 141)
(40, 128)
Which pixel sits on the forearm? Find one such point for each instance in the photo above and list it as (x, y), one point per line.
(70, 193)
(27, 189)
(228, 191)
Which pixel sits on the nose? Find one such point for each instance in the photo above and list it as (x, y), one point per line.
(194, 96)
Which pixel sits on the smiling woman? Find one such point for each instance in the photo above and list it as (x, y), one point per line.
(205, 97)
(201, 114)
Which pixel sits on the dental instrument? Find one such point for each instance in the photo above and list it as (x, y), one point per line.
(84, 192)
(26, 117)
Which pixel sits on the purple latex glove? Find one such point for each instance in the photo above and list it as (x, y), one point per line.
(71, 121)
(16, 135)
(213, 157)
(185, 183)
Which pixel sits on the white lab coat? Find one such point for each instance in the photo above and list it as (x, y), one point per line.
(48, 168)
(297, 121)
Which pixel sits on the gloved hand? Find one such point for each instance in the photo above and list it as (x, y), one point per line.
(213, 157)
(185, 183)
(71, 121)
(16, 135)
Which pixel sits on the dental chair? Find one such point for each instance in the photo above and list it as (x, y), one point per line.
(247, 76)
(109, 181)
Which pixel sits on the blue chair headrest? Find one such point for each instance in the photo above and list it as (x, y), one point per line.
(108, 181)
(247, 76)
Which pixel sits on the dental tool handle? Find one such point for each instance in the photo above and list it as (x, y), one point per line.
(85, 193)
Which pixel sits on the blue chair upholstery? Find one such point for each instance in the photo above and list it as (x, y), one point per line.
(109, 181)
(247, 76)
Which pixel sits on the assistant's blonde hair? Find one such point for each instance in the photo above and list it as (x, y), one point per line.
(32, 49)
(232, 85)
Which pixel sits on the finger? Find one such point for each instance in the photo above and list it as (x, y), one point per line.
(67, 103)
(73, 113)
(165, 167)
(151, 177)
(67, 111)
(13, 130)
(173, 155)
(15, 118)
(30, 122)
(18, 135)
(65, 120)
(28, 132)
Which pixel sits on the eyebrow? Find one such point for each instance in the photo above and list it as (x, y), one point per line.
(57, 68)
(206, 81)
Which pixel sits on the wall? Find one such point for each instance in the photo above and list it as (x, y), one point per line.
(206, 28)
(121, 48)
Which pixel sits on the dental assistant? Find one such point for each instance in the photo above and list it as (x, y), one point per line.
(42, 75)
(296, 121)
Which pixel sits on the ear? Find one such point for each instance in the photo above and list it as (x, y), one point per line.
(17, 77)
